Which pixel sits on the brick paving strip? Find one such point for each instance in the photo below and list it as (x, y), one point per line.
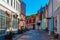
(18, 36)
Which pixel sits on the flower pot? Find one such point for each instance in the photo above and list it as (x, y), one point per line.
(9, 36)
(56, 36)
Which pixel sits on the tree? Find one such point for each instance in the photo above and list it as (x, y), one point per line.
(33, 15)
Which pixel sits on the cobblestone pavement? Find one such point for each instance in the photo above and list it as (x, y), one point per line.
(34, 35)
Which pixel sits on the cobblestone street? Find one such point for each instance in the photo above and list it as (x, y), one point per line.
(34, 35)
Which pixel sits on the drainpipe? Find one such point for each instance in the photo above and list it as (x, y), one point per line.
(52, 17)
(54, 35)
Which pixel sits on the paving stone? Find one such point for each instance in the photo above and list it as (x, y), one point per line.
(35, 35)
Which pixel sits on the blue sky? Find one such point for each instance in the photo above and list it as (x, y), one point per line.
(32, 6)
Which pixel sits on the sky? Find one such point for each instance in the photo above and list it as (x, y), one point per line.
(32, 6)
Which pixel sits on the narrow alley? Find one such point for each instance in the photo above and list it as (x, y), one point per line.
(34, 35)
(29, 19)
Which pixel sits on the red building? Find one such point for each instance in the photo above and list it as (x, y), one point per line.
(30, 23)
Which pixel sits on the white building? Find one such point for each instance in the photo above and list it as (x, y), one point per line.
(38, 21)
(54, 11)
(49, 15)
(9, 10)
(57, 14)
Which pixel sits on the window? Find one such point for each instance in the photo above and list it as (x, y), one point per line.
(17, 6)
(15, 24)
(3, 0)
(11, 2)
(2, 22)
(7, 1)
(14, 3)
(7, 22)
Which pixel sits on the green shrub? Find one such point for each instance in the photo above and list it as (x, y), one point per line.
(46, 29)
(19, 31)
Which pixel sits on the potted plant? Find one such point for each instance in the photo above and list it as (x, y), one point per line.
(46, 29)
(19, 31)
(55, 34)
(9, 36)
